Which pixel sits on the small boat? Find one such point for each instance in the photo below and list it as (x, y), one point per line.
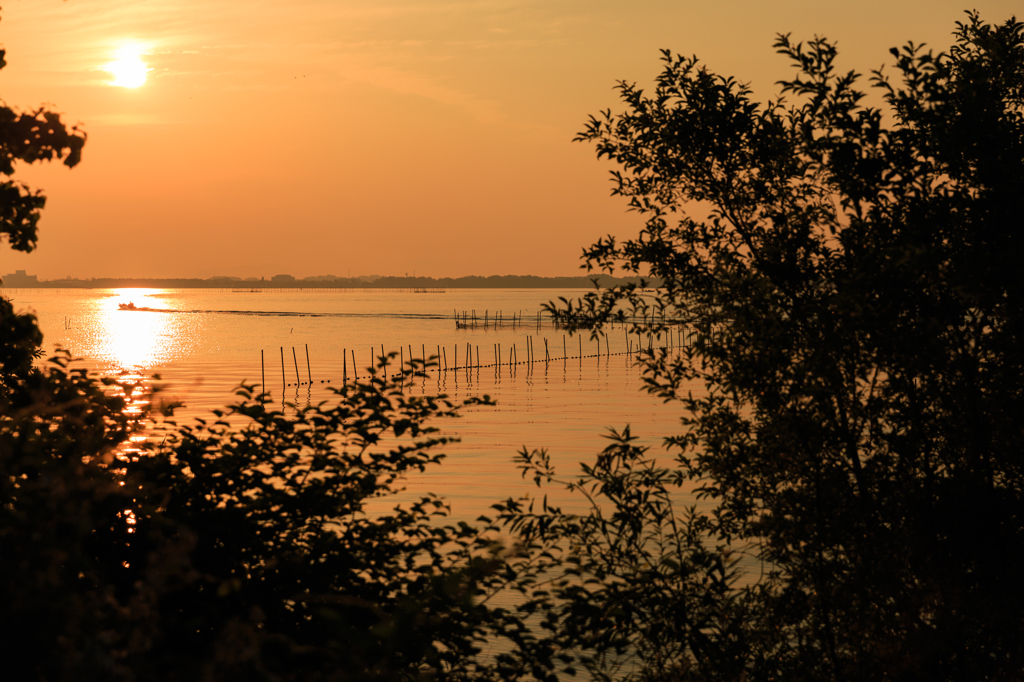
(126, 306)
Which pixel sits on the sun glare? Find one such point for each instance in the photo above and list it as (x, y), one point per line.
(128, 70)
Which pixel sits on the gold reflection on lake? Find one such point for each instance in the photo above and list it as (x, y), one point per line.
(133, 343)
(134, 340)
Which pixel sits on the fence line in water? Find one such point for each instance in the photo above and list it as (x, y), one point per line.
(474, 319)
(684, 338)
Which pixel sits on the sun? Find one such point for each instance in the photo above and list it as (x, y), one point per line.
(128, 70)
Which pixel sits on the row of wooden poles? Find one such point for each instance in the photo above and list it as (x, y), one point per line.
(473, 360)
(468, 319)
(295, 359)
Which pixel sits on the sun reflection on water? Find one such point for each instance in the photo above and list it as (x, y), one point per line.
(134, 340)
(134, 343)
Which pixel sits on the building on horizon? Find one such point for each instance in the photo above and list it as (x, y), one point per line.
(18, 278)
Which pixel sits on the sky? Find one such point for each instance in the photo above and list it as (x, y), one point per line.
(358, 137)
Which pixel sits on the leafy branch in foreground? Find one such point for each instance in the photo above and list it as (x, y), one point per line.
(30, 137)
(632, 585)
(61, 504)
(303, 569)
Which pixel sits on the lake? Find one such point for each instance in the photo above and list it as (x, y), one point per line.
(203, 343)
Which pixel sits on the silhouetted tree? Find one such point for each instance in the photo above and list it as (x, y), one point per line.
(853, 430)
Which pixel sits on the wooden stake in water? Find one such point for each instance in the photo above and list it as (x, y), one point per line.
(309, 372)
(284, 382)
(355, 371)
(296, 361)
(263, 373)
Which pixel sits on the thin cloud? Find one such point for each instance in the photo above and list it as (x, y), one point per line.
(422, 85)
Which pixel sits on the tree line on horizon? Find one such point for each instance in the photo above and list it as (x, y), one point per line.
(331, 282)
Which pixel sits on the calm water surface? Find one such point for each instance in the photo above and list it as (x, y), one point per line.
(204, 343)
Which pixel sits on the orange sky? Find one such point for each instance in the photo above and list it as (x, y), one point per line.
(386, 137)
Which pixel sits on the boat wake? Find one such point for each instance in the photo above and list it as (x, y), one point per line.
(284, 313)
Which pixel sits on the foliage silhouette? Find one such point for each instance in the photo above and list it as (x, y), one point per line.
(30, 137)
(241, 548)
(852, 431)
(291, 576)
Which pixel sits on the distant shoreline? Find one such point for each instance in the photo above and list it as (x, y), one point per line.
(413, 283)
